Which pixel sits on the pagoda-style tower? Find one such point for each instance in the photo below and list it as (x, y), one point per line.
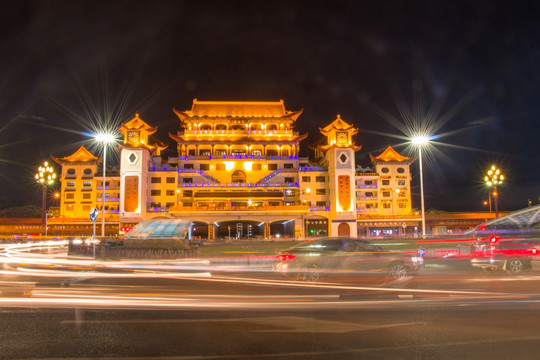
(135, 158)
(340, 155)
(394, 182)
(239, 154)
(78, 191)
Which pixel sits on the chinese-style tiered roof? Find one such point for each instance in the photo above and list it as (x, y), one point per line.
(333, 133)
(390, 155)
(82, 155)
(137, 124)
(238, 109)
(143, 136)
(338, 124)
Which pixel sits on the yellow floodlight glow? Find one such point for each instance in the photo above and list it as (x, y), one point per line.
(229, 165)
(248, 165)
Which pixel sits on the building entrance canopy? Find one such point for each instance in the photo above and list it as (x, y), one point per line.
(161, 228)
(528, 218)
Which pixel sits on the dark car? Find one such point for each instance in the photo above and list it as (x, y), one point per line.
(343, 258)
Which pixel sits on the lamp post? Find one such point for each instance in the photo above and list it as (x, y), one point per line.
(421, 141)
(105, 139)
(45, 176)
(494, 178)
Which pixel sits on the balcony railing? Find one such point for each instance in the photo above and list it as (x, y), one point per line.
(281, 208)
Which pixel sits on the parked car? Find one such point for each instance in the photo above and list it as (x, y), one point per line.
(344, 257)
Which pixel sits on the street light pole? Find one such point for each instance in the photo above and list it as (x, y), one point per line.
(103, 192)
(494, 178)
(421, 140)
(45, 176)
(105, 139)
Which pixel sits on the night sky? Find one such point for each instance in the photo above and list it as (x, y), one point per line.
(66, 65)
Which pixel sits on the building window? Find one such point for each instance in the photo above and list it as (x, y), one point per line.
(400, 170)
(170, 180)
(386, 205)
(285, 152)
(289, 179)
(402, 205)
(386, 193)
(221, 152)
(156, 180)
(321, 203)
(187, 180)
(401, 182)
(187, 193)
(320, 191)
(306, 178)
(155, 192)
(272, 166)
(239, 152)
(71, 196)
(319, 179)
(368, 182)
(85, 196)
(87, 183)
(188, 166)
(220, 167)
(86, 207)
(256, 152)
(191, 152)
(385, 170)
(288, 166)
(204, 167)
(256, 167)
(289, 192)
(155, 204)
(70, 183)
(69, 207)
(271, 152)
(386, 182)
(169, 204)
(369, 194)
(170, 192)
(204, 152)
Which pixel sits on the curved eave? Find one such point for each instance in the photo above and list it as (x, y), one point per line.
(325, 148)
(407, 161)
(293, 115)
(182, 115)
(62, 161)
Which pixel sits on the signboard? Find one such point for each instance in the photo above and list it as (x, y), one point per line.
(94, 214)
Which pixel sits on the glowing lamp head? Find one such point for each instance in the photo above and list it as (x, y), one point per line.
(104, 138)
(420, 140)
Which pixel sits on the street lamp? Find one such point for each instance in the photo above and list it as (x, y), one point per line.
(105, 139)
(493, 178)
(45, 176)
(421, 141)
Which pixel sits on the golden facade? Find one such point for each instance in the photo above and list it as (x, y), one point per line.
(238, 173)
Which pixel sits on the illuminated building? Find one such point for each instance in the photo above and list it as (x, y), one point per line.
(238, 173)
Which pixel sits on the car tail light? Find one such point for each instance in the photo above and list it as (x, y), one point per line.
(286, 257)
(493, 239)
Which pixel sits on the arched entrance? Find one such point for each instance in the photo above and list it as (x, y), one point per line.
(344, 230)
(238, 177)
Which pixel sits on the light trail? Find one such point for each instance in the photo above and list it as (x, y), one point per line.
(22, 260)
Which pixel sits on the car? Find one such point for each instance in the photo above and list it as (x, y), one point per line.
(329, 258)
(511, 254)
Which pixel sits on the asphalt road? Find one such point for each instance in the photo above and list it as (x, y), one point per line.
(51, 308)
